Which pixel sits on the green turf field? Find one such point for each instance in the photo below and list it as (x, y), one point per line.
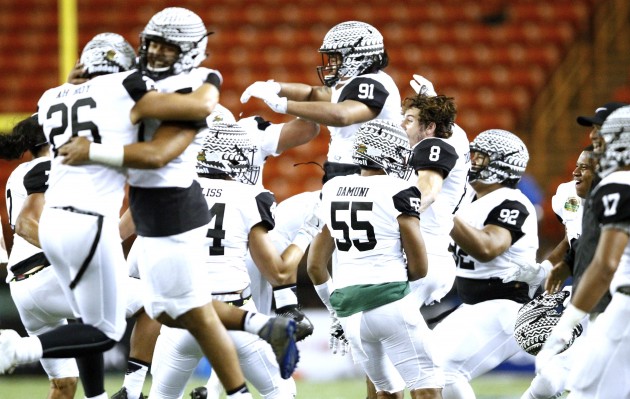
(491, 386)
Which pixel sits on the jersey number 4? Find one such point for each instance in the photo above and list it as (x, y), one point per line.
(355, 224)
(217, 212)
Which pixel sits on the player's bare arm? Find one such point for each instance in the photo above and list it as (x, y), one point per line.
(174, 106)
(599, 274)
(295, 133)
(413, 244)
(332, 114)
(430, 184)
(27, 224)
(275, 268)
(319, 255)
(483, 245)
(169, 141)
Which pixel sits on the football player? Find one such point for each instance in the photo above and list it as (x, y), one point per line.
(355, 90)
(372, 226)
(601, 362)
(441, 160)
(241, 217)
(85, 202)
(491, 235)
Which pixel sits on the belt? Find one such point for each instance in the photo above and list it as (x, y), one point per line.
(624, 289)
(236, 298)
(30, 273)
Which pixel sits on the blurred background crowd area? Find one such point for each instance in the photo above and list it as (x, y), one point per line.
(528, 66)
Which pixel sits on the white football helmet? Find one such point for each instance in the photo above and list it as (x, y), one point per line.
(360, 46)
(179, 27)
(107, 53)
(507, 154)
(227, 149)
(537, 318)
(616, 134)
(382, 144)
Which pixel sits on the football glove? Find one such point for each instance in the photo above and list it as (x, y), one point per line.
(338, 342)
(422, 85)
(532, 273)
(560, 336)
(261, 90)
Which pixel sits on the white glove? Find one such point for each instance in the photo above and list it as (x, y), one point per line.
(311, 227)
(268, 92)
(338, 342)
(422, 85)
(560, 336)
(532, 273)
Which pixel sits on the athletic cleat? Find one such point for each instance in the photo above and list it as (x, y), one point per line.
(279, 332)
(304, 325)
(122, 394)
(199, 393)
(8, 343)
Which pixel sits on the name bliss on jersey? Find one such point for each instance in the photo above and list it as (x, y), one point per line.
(352, 191)
(212, 192)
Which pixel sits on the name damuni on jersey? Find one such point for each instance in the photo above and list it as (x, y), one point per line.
(352, 191)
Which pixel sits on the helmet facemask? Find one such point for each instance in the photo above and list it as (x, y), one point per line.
(360, 46)
(178, 27)
(616, 134)
(227, 149)
(505, 159)
(381, 144)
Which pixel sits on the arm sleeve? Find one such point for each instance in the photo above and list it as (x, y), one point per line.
(510, 215)
(365, 90)
(266, 203)
(611, 203)
(36, 179)
(434, 153)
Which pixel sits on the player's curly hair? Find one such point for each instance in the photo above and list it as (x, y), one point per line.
(440, 110)
(27, 135)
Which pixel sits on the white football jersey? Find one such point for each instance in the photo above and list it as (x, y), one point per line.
(611, 205)
(437, 219)
(180, 172)
(98, 110)
(361, 213)
(28, 178)
(234, 209)
(569, 207)
(376, 90)
(512, 210)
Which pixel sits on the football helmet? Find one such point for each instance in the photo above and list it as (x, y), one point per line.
(537, 318)
(382, 144)
(228, 149)
(107, 53)
(360, 46)
(616, 134)
(179, 27)
(507, 157)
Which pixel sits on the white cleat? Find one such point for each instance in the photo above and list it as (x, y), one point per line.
(8, 342)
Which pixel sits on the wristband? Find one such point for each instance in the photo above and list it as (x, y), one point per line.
(323, 291)
(107, 154)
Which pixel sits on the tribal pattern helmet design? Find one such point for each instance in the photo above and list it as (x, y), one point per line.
(107, 53)
(537, 318)
(382, 144)
(508, 157)
(361, 47)
(616, 134)
(228, 149)
(179, 27)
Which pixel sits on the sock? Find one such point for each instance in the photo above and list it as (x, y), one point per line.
(30, 350)
(239, 393)
(101, 396)
(214, 386)
(254, 322)
(134, 377)
(285, 296)
(92, 374)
